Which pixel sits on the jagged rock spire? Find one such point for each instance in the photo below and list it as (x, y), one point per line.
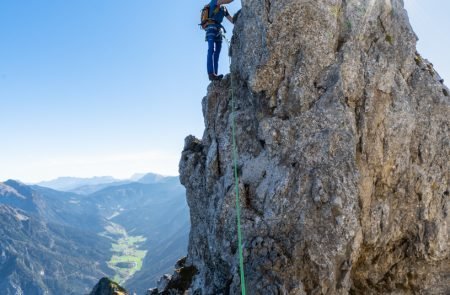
(343, 139)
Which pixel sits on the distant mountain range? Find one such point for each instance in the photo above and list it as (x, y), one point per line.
(41, 248)
(64, 242)
(87, 186)
(70, 183)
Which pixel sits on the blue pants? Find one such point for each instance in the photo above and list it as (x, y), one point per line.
(212, 63)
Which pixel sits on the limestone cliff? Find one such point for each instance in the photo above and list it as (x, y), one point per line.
(343, 140)
(107, 287)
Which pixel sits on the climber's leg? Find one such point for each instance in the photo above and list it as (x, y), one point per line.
(217, 50)
(210, 57)
(213, 37)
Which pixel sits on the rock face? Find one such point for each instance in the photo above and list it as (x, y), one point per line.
(107, 287)
(343, 141)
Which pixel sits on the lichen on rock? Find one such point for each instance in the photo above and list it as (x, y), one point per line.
(343, 141)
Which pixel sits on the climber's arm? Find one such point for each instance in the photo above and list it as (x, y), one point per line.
(230, 18)
(220, 2)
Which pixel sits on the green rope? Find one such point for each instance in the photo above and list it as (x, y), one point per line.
(236, 180)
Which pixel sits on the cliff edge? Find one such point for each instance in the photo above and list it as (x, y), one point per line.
(343, 141)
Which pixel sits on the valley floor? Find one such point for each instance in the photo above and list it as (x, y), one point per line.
(127, 258)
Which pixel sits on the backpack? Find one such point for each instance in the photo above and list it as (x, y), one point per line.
(205, 20)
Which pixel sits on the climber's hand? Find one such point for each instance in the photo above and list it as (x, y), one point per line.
(235, 17)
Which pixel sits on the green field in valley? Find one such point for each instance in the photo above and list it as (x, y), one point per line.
(127, 257)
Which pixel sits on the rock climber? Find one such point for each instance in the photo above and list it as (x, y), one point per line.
(217, 12)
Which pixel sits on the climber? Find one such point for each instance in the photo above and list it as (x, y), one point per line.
(214, 36)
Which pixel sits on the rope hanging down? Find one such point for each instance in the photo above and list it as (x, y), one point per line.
(236, 177)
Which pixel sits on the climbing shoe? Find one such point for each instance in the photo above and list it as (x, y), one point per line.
(214, 77)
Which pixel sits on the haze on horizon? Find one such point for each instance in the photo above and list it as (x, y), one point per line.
(111, 88)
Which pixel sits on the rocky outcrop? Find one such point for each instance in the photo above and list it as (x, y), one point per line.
(107, 287)
(178, 282)
(343, 141)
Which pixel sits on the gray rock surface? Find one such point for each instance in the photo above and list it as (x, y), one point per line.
(343, 140)
(107, 287)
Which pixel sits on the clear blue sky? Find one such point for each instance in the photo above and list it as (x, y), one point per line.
(112, 87)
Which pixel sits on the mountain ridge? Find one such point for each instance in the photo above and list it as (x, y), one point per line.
(67, 183)
(74, 223)
(89, 185)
